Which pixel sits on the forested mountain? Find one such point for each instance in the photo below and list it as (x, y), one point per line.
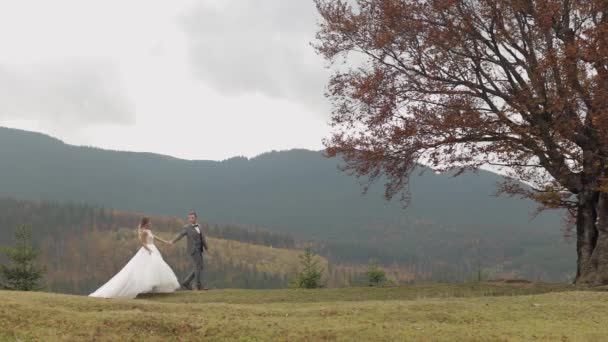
(451, 225)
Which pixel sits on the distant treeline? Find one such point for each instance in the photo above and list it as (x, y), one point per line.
(254, 236)
(47, 217)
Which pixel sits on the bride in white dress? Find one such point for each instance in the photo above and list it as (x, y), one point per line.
(146, 272)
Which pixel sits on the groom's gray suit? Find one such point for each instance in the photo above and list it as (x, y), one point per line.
(196, 244)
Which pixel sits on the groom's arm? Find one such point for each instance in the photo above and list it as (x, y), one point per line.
(179, 236)
(162, 240)
(205, 246)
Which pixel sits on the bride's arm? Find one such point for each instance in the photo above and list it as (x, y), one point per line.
(142, 238)
(161, 240)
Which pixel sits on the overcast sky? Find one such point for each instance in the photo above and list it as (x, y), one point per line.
(207, 79)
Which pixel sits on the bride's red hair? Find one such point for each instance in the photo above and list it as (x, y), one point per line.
(144, 221)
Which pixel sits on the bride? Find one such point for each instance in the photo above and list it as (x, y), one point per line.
(146, 272)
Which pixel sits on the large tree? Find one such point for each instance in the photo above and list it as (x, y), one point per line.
(455, 84)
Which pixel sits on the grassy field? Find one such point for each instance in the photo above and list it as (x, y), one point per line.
(475, 312)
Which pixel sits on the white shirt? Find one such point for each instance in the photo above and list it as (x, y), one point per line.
(197, 230)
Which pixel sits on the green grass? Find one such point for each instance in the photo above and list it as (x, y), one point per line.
(419, 291)
(421, 312)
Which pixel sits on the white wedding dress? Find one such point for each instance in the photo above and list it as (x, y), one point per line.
(145, 273)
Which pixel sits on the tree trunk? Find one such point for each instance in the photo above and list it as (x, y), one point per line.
(586, 233)
(592, 240)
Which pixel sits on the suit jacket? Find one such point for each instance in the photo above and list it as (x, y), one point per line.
(196, 241)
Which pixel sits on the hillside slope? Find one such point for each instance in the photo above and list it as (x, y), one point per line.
(83, 246)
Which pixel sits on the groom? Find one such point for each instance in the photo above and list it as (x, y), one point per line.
(196, 244)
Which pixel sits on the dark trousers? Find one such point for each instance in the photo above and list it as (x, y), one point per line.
(197, 272)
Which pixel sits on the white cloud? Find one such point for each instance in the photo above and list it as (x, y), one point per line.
(64, 94)
(248, 46)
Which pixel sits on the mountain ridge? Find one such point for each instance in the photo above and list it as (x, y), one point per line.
(50, 138)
